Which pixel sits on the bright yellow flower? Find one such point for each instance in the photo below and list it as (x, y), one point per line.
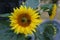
(24, 20)
(54, 8)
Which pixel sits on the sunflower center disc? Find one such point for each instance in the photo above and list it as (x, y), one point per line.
(24, 20)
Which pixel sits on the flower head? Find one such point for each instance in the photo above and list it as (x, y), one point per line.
(24, 20)
(54, 8)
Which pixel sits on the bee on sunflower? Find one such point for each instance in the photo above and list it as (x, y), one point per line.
(24, 20)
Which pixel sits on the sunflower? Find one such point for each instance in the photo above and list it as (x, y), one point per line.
(54, 8)
(24, 20)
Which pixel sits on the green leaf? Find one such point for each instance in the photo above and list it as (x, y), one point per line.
(5, 15)
(6, 33)
(20, 37)
(46, 6)
(32, 3)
